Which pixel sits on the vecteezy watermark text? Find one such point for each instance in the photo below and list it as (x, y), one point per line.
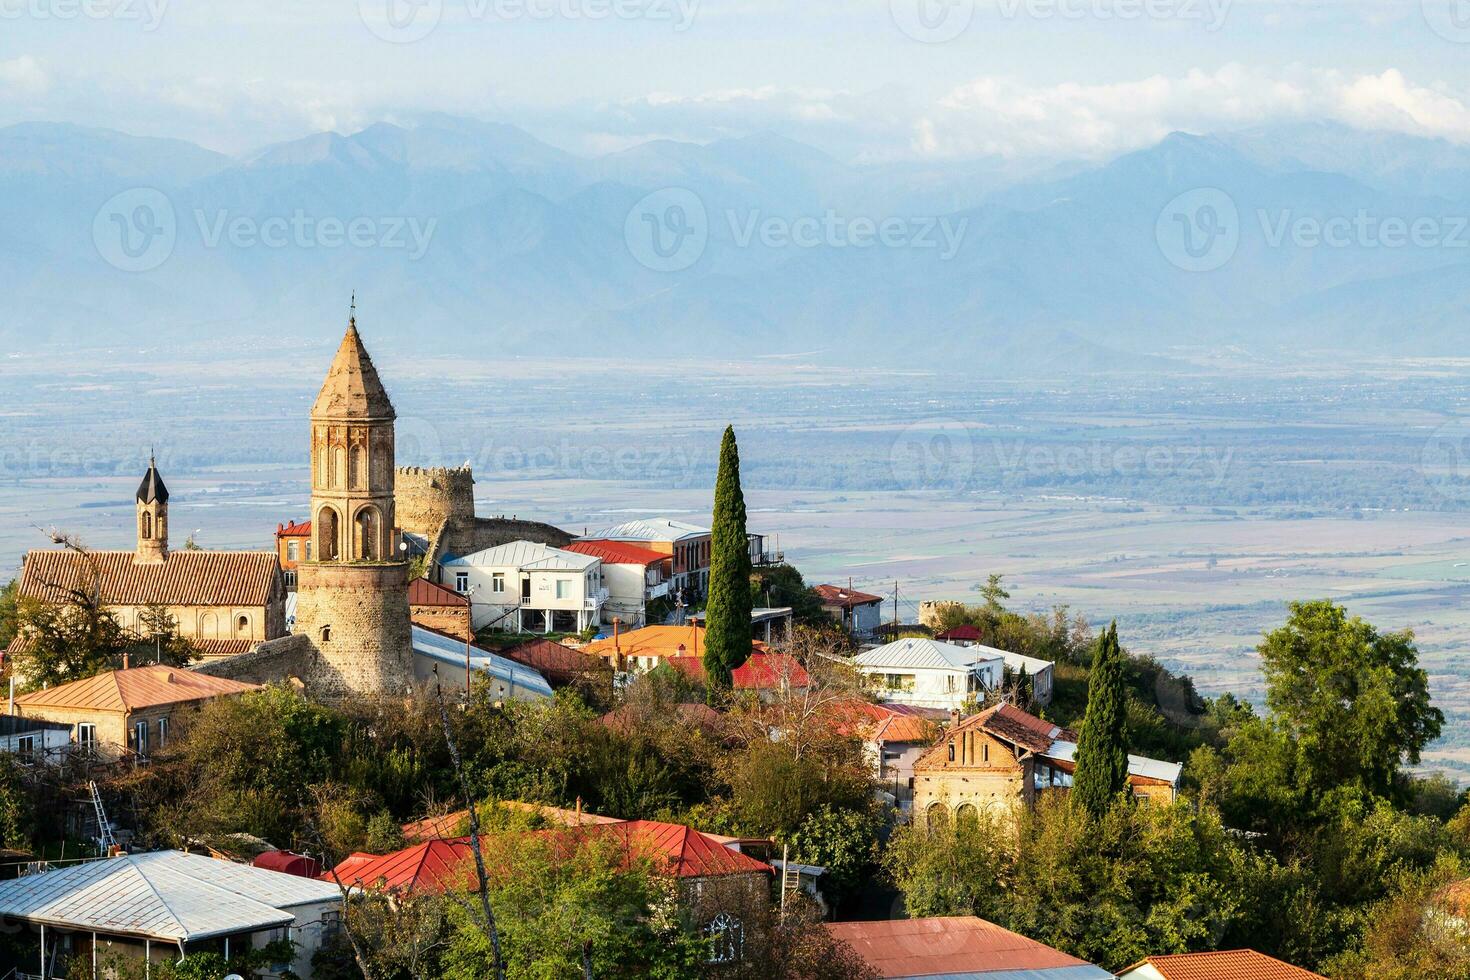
(148, 13)
(301, 230)
(1072, 461)
(407, 21)
(938, 21)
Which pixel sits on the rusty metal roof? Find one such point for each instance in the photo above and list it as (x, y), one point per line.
(957, 948)
(186, 578)
(422, 592)
(133, 689)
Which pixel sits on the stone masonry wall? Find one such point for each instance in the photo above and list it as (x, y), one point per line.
(427, 496)
(357, 618)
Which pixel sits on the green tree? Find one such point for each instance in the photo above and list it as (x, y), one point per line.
(844, 841)
(1102, 751)
(728, 633)
(994, 593)
(68, 641)
(9, 612)
(1354, 700)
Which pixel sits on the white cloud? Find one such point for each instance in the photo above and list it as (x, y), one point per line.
(25, 77)
(1005, 117)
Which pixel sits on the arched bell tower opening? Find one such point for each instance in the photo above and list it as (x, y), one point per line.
(328, 534)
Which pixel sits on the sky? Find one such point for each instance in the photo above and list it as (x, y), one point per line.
(863, 79)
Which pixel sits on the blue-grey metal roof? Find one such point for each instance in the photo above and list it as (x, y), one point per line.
(450, 651)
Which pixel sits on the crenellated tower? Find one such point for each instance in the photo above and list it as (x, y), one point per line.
(352, 598)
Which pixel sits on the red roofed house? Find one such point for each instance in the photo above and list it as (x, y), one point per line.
(633, 576)
(860, 613)
(126, 710)
(438, 608)
(719, 887)
(1004, 757)
(1235, 964)
(895, 736)
(768, 674)
(293, 546)
(560, 665)
(650, 646)
(958, 946)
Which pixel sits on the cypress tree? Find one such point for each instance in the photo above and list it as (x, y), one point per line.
(1102, 751)
(727, 615)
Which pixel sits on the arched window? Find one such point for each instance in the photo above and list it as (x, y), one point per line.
(325, 634)
(328, 535)
(726, 937)
(339, 466)
(357, 477)
(209, 626)
(937, 816)
(966, 815)
(242, 627)
(147, 526)
(367, 534)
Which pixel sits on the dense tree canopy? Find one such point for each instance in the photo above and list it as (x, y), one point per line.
(728, 632)
(1102, 749)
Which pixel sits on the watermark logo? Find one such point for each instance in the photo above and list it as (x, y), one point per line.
(1212, 13)
(400, 21)
(409, 234)
(1450, 19)
(148, 13)
(933, 454)
(1199, 231)
(831, 229)
(136, 230)
(1364, 229)
(1445, 459)
(667, 231)
(932, 21)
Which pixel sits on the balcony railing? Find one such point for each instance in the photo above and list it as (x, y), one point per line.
(594, 601)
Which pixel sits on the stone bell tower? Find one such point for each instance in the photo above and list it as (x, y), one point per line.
(352, 597)
(152, 506)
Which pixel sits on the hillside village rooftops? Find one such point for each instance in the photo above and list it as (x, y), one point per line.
(887, 723)
(1235, 964)
(958, 948)
(166, 895)
(450, 651)
(650, 529)
(760, 672)
(525, 554)
(618, 552)
(134, 689)
(913, 652)
(186, 578)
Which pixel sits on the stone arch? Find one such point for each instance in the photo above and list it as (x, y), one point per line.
(242, 626)
(966, 814)
(357, 475)
(209, 626)
(147, 526)
(367, 530)
(936, 815)
(328, 529)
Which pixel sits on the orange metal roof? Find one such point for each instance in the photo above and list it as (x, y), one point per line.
(880, 722)
(187, 578)
(422, 592)
(1235, 964)
(294, 530)
(656, 641)
(135, 688)
(618, 552)
(958, 945)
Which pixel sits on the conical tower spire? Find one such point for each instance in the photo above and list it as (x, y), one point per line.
(352, 390)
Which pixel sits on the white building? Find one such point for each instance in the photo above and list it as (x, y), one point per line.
(35, 740)
(146, 909)
(633, 575)
(930, 674)
(525, 587)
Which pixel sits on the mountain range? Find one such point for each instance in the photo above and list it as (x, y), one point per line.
(460, 235)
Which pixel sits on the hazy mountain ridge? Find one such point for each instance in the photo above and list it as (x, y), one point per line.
(524, 248)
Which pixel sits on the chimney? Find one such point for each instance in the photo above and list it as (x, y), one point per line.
(617, 643)
(125, 660)
(954, 717)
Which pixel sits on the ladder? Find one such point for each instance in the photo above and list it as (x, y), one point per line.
(105, 840)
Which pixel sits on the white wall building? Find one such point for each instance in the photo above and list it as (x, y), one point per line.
(633, 575)
(447, 659)
(930, 674)
(528, 587)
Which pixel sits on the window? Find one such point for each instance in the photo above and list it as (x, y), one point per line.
(147, 525)
(242, 627)
(727, 939)
(308, 551)
(326, 634)
(162, 732)
(985, 752)
(86, 734)
(26, 746)
(563, 588)
(293, 550)
(497, 582)
(461, 582)
(949, 684)
(951, 750)
(525, 590)
(898, 682)
(140, 737)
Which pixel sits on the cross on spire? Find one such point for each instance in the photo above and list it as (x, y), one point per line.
(352, 310)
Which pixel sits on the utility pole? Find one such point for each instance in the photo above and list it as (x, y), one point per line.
(895, 605)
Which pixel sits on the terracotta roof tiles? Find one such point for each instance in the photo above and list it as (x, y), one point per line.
(1235, 964)
(187, 578)
(132, 689)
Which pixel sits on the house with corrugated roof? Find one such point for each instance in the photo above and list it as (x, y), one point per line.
(860, 613)
(142, 910)
(958, 948)
(1005, 757)
(931, 673)
(451, 662)
(526, 587)
(223, 601)
(894, 737)
(129, 711)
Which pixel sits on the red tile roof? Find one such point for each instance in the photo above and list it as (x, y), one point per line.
(187, 578)
(760, 672)
(1008, 722)
(449, 824)
(965, 632)
(422, 592)
(442, 865)
(557, 663)
(618, 552)
(294, 530)
(1235, 964)
(132, 689)
(957, 946)
(880, 722)
(221, 648)
(834, 596)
